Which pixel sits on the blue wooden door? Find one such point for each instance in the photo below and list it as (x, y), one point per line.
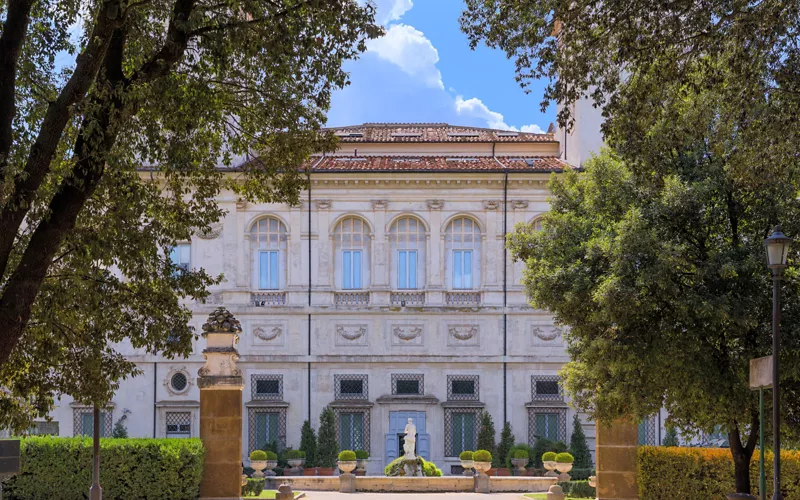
(397, 426)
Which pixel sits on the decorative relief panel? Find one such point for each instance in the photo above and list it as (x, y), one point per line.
(213, 232)
(518, 204)
(491, 204)
(545, 335)
(269, 334)
(323, 204)
(408, 334)
(435, 204)
(463, 335)
(351, 334)
(380, 204)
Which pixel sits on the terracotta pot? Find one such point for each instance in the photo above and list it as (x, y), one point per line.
(310, 471)
(502, 471)
(347, 466)
(324, 471)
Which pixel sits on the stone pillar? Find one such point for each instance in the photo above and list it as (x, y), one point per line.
(347, 483)
(616, 460)
(482, 483)
(221, 384)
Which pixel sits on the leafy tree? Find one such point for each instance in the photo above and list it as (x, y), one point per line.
(327, 445)
(578, 446)
(486, 433)
(505, 445)
(185, 88)
(308, 444)
(671, 437)
(656, 266)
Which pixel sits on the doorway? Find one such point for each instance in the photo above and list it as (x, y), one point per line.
(395, 438)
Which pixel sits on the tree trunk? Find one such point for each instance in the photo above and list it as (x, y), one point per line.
(742, 453)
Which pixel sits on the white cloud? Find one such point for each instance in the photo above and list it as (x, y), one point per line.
(409, 49)
(475, 108)
(391, 10)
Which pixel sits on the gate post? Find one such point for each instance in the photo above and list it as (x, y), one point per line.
(616, 460)
(221, 384)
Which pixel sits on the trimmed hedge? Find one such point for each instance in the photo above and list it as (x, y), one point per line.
(395, 467)
(55, 467)
(254, 486)
(674, 472)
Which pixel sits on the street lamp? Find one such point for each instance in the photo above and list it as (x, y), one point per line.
(777, 246)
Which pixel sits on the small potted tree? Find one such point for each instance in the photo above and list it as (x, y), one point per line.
(347, 461)
(563, 465)
(483, 461)
(272, 462)
(549, 462)
(362, 457)
(520, 460)
(327, 444)
(467, 462)
(258, 462)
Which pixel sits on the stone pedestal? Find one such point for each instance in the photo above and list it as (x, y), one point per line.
(481, 483)
(555, 493)
(221, 384)
(616, 460)
(347, 483)
(284, 493)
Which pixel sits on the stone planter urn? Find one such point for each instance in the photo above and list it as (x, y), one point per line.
(551, 468)
(296, 463)
(519, 463)
(482, 467)
(593, 481)
(362, 464)
(347, 466)
(258, 466)
(467, 465)
(563, 468)
(271, 464)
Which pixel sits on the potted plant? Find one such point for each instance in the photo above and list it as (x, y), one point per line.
(483, 461)
(467, 462)
(272, 462)
(520, 460)
(563, 465)
(347, 461)
(327, 444)
(362, 457)
(549, 462)
(296, 459)
(258, 462)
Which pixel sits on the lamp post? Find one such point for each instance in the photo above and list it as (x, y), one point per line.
(777, 247)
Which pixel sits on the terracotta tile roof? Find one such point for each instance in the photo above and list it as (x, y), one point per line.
(431, 132)
(435, 163)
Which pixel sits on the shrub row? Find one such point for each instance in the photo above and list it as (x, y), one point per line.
(54, 467)
(577, 489)
(395, 467)
(673, 472)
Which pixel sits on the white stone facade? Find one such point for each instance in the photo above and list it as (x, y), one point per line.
(304, 334)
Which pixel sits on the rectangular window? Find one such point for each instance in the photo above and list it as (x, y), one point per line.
(462, 269)
(351, 431)
(266, 429)
(268, 270)
(351, 388)
(40, 428)
(463, 437)
(179, 424)
(463, 387)
(408, 387)
(547, 388)
(87, 424)
(546, 426)
(351, 265)
(268, 387)
(180, 255)
(407, 269)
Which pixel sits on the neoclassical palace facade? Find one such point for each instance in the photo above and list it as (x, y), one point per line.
(386, 294)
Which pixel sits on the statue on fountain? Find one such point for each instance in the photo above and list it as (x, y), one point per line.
(409, 444)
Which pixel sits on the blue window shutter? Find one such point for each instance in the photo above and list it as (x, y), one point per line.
(392, 445)
(357, 269)
(412, 270)
(402, 270)
(467, 268)
(424, 445)
(347, 281)
(261, 430)
(273, 270)
(263, 270)
(457, 269)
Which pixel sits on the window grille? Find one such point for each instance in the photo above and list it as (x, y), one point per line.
(546, 388)
(83, 422)
(265, 427)
(350, 387)
(265, 386)
(352, 428)
(647, 432)
(548, 423)
(460, 430)
(179, 381)
(463, 388)
(408, 383)
(179, 424)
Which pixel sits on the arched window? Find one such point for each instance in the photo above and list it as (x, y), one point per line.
(463, 253)
(351, 244)
(268, 247)
(537, 223)
(407, 239)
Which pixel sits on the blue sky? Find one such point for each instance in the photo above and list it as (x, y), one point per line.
(423, 70)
